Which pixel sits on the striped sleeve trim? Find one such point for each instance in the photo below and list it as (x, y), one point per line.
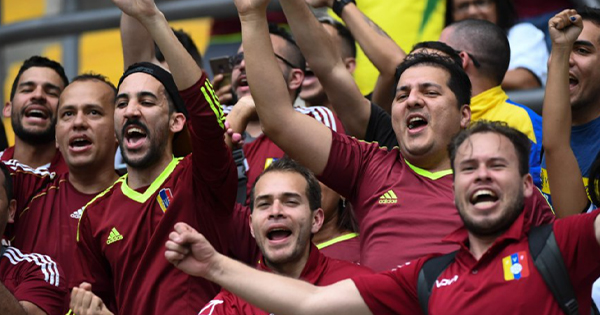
(322, 114)
(47, 266)
(17, 166)
(213, 101)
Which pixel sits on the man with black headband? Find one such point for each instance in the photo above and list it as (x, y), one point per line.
(122, 232)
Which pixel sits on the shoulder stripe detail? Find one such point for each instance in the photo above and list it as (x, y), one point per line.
(16, 166)
(213, 101)
(338, 239)
(46, 264)
(142, 198)
(120, 180)
(322, 114)
(41, 194)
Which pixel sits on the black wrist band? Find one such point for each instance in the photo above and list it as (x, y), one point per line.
(338, 6)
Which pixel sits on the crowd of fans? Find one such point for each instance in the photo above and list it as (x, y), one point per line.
(172, 194)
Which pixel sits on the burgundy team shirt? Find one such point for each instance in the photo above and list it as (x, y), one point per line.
(34, 278)
(345, 247)
(57, 165)
(319, 270)
(122, 233)
(403, 211)
(261, 152)
(494, 284)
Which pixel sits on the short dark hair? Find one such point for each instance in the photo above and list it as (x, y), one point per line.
(8, 183)
(313, 190)
(486, 42)
(441, 47)
(188, 43)
(90, 76)
(517, 138)
(348, 42)
(42, 62)
(590, 14)
(458, 83)
(506, 14)
(293, 53)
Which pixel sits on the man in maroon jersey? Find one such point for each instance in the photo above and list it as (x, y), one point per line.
(402, 198)
(122, 232)
(32, 109)
(492, 270)
(286, 213)
(29, 283)
(49, 206)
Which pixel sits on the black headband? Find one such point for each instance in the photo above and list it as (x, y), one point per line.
(161, 75)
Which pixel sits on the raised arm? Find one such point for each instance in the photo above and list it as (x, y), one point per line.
(183, 67)
(189, 251)
(564, 177)
(136, 41)
(301, 137)
(378, 46)
(324, 58)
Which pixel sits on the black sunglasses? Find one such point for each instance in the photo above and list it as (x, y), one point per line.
(475, 62)
(237, 60)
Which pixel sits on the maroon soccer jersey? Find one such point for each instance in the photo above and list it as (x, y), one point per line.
(34, 278)
(122, 233)
(48, 225)
(57, 165)
(503, 281)
(261, 152)
(403, 211)
(345, 247)
(319, 270)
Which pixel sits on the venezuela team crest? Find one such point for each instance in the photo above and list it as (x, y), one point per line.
(164, 198)
(516, 266)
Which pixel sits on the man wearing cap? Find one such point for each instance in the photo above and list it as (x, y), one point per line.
(122, 232)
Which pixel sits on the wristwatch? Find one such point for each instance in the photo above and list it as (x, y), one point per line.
(338, 6)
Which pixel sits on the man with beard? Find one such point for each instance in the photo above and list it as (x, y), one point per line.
(493, 264)
(402, 198)
(47, 223)
(32, 111)
(122, 232)
(286, 214)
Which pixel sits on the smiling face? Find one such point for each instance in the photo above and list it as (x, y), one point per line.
(282, 222)
(143, 124)
(425, 115)
(33, 107)
(489, 190)
(85, 127)
(584, 68)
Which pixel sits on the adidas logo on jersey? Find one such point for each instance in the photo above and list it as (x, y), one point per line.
(77, 214)
(388, 197)
(114, 236)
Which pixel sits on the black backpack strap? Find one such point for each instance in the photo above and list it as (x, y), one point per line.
(430, 271)
(2, 250)
(549, 262)
(595, 310)
(240, 163)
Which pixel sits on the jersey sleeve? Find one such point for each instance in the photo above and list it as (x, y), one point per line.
(323, 115)
(225, 303)
(27, 182)
(42, 281)
(380, 129)
(391, 292)
(213, 165)
(576, 238)
(348, 161)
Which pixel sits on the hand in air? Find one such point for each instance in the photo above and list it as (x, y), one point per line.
(564, 28)
(137, 8)
(189, 251)
(84, 302)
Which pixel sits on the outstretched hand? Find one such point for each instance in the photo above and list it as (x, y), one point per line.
(137, 8)
(320, 3)
(564, 28)
(189, 251)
